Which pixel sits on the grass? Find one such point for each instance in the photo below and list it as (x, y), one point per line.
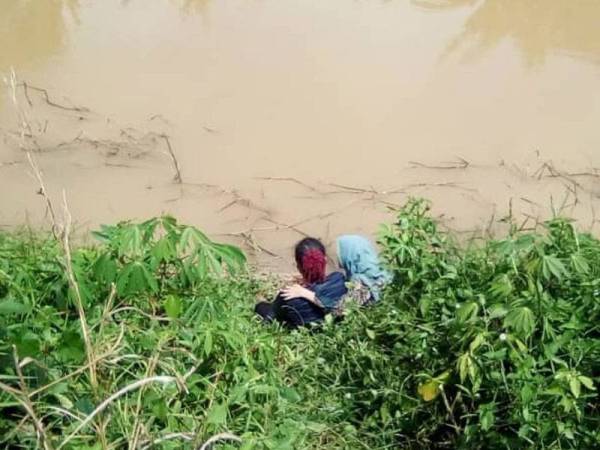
(488, 346)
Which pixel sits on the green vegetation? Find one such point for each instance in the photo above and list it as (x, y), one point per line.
(486, 346)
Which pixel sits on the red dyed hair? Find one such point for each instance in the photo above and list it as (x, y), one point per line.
(312, 266)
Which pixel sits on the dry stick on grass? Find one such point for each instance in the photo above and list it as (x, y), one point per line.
(102, 406)
(449, 410)
(46, 96)
(39, 427)
(78, 298)
(82, 369)
(63, 237)
(137, 426)
(12, 433)
(177, 178)
(28, 405)
(218, 438)
(169, 437)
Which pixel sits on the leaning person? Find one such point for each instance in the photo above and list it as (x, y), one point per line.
(309, 301)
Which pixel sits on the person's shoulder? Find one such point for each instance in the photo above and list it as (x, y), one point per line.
(334, 276)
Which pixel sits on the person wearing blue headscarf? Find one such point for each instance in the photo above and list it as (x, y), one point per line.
(360, 261)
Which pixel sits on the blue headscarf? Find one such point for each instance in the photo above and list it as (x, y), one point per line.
(360, 261)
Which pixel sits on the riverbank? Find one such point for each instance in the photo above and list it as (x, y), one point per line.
(148, 340)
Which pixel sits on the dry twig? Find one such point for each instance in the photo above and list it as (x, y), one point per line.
(460, 164)
(102, 406)
(42, 191)
(46, 96)
(217, 438)
(25, 400)
(177, 178)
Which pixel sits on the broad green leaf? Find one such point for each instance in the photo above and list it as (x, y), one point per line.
(232, 255)
(135, 278)
(105, 268)
(486, 416)
(466, 367)
(217, 414)
(208, 343)
(498, 311)
(28, 344)
(587, 382)
(580, 264)
(12, 307)
(130, 243)
(430, 390)
(164, 249)
(467, 311)
(191, 239)
(72, 347)
(173, 306)
(575, 386)
(291, 395)
(552, 266)
(520, 319)
(476, 343)
(501, 287)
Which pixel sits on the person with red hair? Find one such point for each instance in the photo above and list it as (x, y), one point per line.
(315, 296)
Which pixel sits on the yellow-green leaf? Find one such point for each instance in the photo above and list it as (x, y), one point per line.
(430, 390)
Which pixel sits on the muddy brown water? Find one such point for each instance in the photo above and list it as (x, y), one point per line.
(292, 117)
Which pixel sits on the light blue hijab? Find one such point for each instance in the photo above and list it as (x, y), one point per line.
(359, 259)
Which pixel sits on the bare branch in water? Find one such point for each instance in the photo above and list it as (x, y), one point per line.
(42, 191)
(48, 100)
(46, 96)
(177, 177)
(291, 180)
(460, 164)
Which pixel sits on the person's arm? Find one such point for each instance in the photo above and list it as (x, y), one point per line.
(296, 291)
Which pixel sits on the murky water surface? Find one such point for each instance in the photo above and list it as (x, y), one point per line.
(301, 116)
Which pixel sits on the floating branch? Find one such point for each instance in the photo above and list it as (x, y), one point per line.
(246, 202)
(159, 117)
(291, 180)
(460, 164)
(354, 189)
(444, 184)
(46, 96)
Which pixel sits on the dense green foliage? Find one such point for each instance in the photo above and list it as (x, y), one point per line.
(489, 346)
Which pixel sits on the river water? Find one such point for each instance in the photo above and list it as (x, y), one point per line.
(292, 117)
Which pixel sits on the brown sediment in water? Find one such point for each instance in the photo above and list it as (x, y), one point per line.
(286, 119)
